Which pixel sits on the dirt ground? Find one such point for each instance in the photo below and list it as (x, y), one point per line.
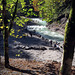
(31, 67)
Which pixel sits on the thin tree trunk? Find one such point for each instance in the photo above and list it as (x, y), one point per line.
(6, 31)
(69, 43)
(6, 47)
(0, 58)
(5, 34)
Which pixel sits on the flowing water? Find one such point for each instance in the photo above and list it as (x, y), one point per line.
(44, 31)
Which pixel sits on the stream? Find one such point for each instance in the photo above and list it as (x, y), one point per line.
(41, 29)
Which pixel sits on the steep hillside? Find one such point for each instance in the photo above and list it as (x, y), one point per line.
(58, 26)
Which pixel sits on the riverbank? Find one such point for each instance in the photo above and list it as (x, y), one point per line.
(58, 27)
(23, 45)
(32, 49)
(32, 56)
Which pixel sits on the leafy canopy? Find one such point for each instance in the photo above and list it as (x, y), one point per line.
(49, 9)
(22, 8)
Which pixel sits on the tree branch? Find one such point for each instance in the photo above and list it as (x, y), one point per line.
(11, 22)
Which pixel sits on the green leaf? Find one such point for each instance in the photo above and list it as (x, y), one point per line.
(1, 27)
(30, 9)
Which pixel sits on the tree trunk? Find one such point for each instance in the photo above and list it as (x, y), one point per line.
(69, 43)
(6, 47)
(5, 34)
(0, 58)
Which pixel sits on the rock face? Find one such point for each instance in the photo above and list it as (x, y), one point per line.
(58, 26)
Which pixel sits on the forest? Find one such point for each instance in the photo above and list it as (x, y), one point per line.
(37, 37)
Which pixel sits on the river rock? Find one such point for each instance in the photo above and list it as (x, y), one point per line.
(43, 48)
(57, 29)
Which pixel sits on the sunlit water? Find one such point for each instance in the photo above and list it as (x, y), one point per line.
(44, 31)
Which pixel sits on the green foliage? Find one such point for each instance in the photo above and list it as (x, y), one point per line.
(50, 9)
(22, 7)
(20, 21)
(12, 31)
(1, 8)
(19, 53)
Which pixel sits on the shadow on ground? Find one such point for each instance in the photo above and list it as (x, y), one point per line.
(17, 46)
(23, 71)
